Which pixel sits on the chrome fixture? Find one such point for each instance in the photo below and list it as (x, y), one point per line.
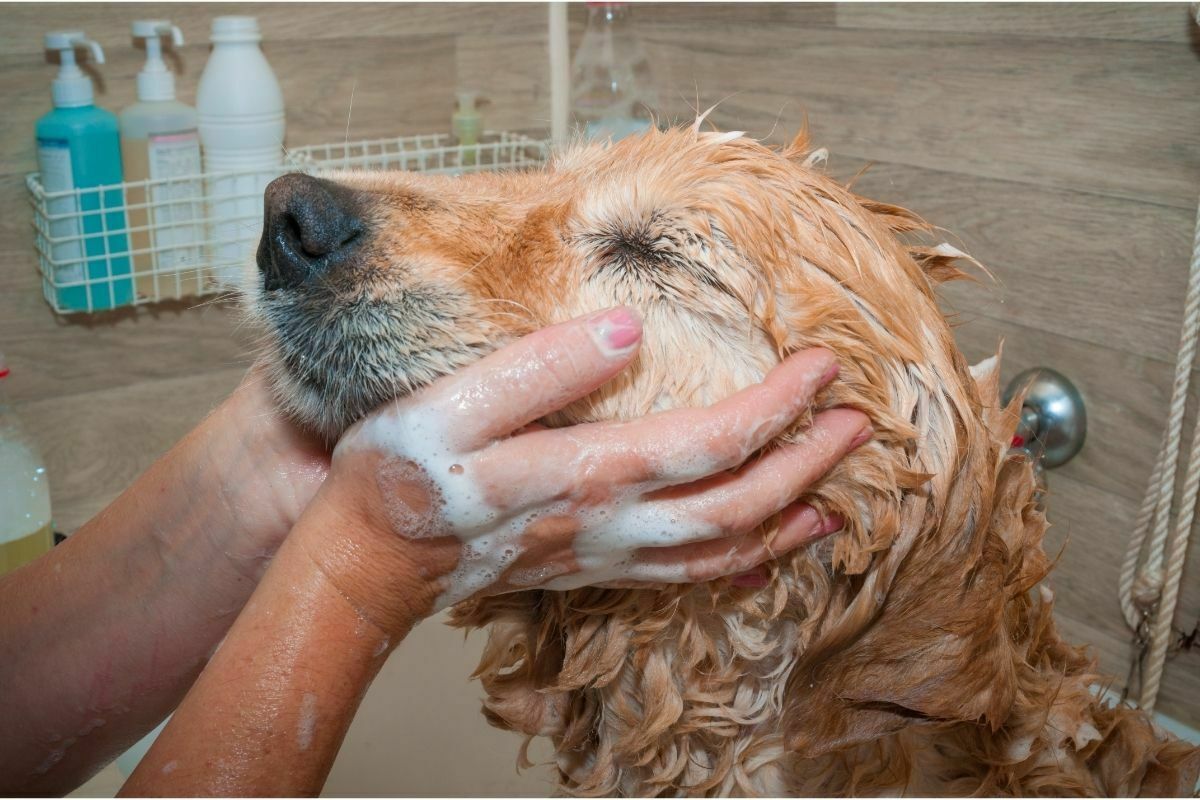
(1053, 423)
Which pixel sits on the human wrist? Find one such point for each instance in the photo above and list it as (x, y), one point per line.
(264, 470)
(393, 580)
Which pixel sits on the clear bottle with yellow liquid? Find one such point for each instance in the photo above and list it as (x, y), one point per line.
(25, 529)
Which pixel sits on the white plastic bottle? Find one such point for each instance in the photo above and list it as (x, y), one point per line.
(612, 90)
(241, 118)
(160, 143)
(25, 530)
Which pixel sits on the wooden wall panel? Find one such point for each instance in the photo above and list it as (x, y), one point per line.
(1055, 254)
(1149, 22)
(1046, 112)
(108, 23)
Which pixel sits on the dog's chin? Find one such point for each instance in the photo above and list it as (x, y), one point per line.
(330, 408)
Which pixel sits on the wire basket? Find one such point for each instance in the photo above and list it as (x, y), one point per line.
(430, 153)
(151, 241)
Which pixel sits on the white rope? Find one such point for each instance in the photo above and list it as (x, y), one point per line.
(1148, 587)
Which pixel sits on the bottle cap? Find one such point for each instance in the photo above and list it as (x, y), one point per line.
(235, 29)
(72, 88)
(466, 101)
(155, 82)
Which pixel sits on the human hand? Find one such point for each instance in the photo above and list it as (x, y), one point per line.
(266, 468)
(450, 493)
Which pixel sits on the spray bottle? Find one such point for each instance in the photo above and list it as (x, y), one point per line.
(160, 144)
(78, 147)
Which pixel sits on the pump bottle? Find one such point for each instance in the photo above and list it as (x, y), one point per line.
(25, 529)
(78, 147)
(467, 125)
(160, 145)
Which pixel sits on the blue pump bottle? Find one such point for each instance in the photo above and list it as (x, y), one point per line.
(78, 147)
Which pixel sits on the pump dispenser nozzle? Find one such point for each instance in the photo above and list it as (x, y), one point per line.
(72, 88)
(155, 82)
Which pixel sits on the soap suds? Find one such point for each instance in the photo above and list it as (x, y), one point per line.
(307, 722)
(428, 491)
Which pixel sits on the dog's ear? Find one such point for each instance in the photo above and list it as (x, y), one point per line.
(918, 635)
(926, 640)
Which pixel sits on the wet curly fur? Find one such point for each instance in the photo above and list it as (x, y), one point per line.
(915, 651)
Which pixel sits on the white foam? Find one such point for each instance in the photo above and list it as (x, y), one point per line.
(307, 722)
(417, 443)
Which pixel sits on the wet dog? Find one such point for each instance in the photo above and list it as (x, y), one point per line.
(913, 651)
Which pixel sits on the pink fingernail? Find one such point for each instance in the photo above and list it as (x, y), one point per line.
(831, 524)
(830, 373)
(616, 330)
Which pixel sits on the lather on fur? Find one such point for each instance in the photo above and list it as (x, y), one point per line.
(913, 651)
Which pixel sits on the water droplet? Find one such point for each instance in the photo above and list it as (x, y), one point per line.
(456, 469)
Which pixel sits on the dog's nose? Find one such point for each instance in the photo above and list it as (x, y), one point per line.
(310, 227)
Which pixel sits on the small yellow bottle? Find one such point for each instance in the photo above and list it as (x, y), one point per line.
(467, 125)
(25, 529)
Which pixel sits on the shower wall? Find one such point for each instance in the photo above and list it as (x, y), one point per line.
(1058, 144)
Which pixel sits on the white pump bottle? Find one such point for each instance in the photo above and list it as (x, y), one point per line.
(160, 144)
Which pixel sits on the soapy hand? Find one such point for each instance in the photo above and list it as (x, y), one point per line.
(454, 493)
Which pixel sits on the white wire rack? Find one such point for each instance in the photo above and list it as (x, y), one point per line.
(430, 153)
(156, 240)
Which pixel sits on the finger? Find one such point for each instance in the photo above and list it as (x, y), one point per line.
(704, 561)
(716, 558)
(536, 375)
(728, 505)
(688, 444)
(735, 502)
(669, 447)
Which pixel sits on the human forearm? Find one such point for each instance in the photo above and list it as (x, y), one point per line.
(269, 712)
(103, 636)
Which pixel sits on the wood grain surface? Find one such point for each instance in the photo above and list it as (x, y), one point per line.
(1060, 144)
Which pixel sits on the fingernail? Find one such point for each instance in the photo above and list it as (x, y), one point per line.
(616, 331)
(862, 436)
(830, 373)
(831, 524)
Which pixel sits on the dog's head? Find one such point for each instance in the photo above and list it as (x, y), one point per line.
(372, 285)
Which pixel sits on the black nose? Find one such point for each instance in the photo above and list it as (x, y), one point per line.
(310, 227)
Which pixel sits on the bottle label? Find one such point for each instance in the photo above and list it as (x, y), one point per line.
(174, 155)
(66, 247)
(176, 199)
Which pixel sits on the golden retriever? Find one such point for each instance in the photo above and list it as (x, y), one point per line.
(915, 651)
